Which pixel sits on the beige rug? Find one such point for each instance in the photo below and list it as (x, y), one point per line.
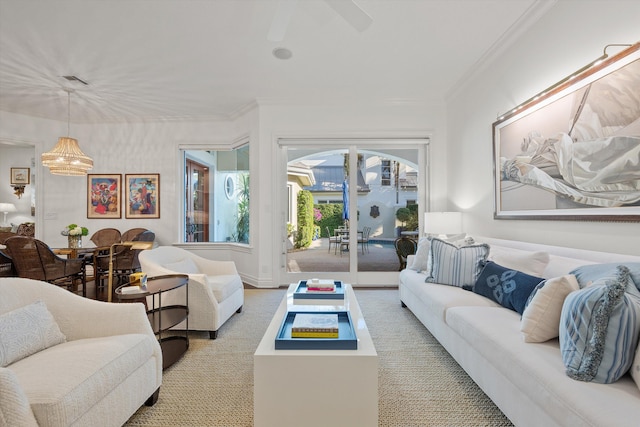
(419, 383)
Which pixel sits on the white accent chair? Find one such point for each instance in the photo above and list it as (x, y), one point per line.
(216, 291)
(105, 366)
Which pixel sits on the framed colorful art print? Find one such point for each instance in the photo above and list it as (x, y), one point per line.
(143, 195)
(103, 196)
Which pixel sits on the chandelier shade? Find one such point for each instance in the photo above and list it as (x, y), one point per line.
(66, 158)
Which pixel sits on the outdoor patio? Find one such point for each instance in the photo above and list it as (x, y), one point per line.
(379, 256)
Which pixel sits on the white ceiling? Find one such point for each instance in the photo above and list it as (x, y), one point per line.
(209, 59)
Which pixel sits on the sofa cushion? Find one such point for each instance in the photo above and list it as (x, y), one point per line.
(421, 258)
(184, 266)
(586, 274)
(456, 266)
(541, 317)
(532, 263)
(635, 367)
(65, 381)
(27, 330)
(224, 285)
(509, 288)
(599, 329)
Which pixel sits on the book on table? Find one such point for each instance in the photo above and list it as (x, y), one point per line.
(315, 325)
(317, 285)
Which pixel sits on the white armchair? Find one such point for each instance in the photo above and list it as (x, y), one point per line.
(216, 291)
(106, 364)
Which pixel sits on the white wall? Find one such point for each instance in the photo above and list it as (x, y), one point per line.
(12, 157)
(569, 36)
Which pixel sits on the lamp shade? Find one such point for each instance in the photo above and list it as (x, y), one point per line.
(7, 207)
(443, 222)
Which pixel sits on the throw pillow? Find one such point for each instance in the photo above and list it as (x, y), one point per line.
(599, 329)
(541, 316)
(26, 331)
(421, 258)
(184, 266)
(456, 266)
(509, 288)
(532, 263)
(635, 367)
(587, 274)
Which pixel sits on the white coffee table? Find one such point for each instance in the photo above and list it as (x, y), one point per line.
(316, 387)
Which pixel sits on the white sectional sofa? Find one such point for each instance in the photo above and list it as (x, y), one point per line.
(69, 361)
(527, 381)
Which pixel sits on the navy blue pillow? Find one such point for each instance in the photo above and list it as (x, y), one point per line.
(509, 288)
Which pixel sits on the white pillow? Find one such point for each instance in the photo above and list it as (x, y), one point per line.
(531, 263)
(541, 317)
(184, 266)
(26, 331)
(421, 258)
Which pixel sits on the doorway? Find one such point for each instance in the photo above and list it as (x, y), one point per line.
(356, 193)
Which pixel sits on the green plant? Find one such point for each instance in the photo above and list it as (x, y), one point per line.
(242, 226)
(305, 220)
(403, 215)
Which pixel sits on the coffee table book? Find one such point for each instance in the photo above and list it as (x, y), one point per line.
(346, 340)
(312, 325)
(301, 293)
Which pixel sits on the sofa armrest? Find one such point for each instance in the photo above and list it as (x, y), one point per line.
(15, 409)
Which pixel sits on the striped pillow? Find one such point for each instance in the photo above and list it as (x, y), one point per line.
(599, 329)
(456, 266)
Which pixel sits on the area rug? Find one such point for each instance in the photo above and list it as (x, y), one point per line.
(419, 384)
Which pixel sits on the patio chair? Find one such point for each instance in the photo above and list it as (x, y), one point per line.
(363, 238)
(33, 259)
(405, 246)
(335, 239)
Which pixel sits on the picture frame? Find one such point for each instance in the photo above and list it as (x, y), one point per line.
(572, 154)
(20, 176)
(142, 195)
(104, 200)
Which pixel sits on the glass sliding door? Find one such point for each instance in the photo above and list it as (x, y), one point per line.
(342, 208)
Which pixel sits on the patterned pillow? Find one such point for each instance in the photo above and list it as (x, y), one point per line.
(26, 331)
(635, 367)
(541, 316)
(599, 329)
(509, 288)
(586, 274)
(456, 266)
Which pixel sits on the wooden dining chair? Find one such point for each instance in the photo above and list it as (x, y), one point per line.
(125, 260)
(34, 259)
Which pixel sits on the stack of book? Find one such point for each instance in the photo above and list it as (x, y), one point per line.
(315, 325)
(317, 285)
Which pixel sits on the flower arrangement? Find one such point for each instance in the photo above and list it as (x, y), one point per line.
(75, 230)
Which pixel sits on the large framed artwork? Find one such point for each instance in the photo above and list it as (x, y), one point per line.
(143, 195)
(574, 154)
(103, 196)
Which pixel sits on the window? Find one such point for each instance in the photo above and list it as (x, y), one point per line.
(216, 195)
(385, 174)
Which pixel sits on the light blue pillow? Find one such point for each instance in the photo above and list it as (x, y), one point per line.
(599, 329)
(592, 272)
(456, 266)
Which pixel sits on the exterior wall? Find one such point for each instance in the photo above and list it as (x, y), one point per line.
(538, 59)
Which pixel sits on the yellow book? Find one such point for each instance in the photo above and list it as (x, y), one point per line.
(314, 335)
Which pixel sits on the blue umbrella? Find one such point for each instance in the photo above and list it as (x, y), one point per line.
(345, 200)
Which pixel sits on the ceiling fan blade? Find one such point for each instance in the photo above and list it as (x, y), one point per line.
(352, 13)
(281, 20)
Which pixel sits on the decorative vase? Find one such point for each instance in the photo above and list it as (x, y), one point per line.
(75, 241)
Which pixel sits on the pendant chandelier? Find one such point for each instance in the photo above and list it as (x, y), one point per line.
(66, 158)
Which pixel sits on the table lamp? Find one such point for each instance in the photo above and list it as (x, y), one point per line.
(134, 245)
(6, 208)
(443, 223)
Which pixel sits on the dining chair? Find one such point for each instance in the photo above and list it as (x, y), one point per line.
(405, 246)
(34, 259)
(125, 260)
(130, 235)
(106, 237)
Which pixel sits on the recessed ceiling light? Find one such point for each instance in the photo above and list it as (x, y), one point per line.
(282, 53)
